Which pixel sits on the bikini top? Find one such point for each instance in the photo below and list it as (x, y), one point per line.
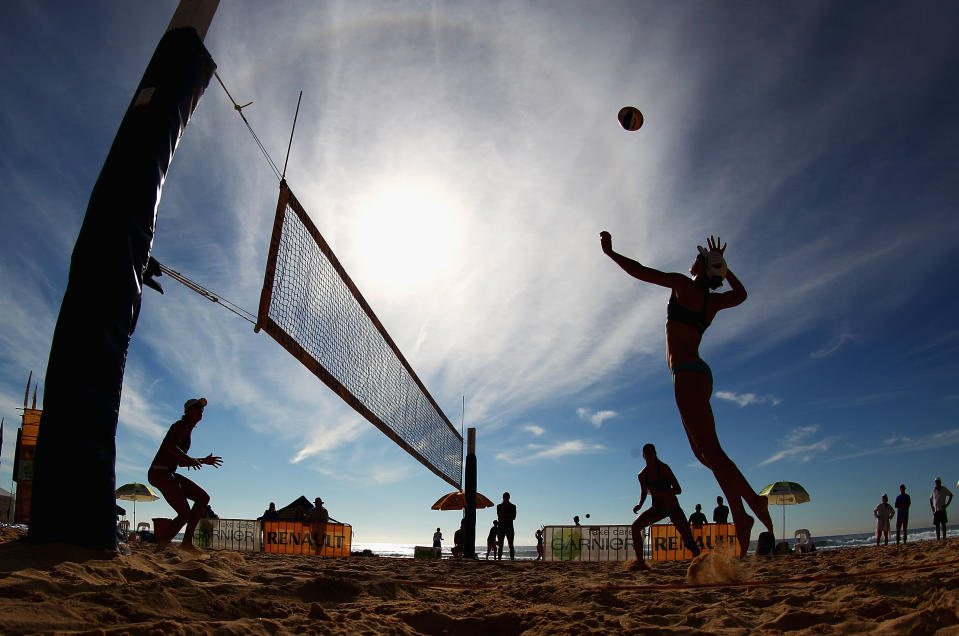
(697, 319)
(661, 482)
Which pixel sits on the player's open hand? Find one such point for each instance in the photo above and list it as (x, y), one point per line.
(636, 509)
(713, 243)
(212, 460)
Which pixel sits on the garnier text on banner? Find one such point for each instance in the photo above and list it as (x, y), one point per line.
(588, 543)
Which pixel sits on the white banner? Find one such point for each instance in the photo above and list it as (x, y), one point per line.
(228, 534)
(588, 543)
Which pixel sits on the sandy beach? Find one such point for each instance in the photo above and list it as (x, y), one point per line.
(62, 589)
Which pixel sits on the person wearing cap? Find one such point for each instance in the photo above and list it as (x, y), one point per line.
(318, 513)
(177, 489)
(689, 313)
(939, 501)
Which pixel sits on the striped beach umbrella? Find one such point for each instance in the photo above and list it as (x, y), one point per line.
(785, 493)
(136, 492)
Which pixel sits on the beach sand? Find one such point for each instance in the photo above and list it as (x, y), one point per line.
(63, 589)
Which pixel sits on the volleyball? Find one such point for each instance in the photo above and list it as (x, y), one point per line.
(630, 118)
(587, 515)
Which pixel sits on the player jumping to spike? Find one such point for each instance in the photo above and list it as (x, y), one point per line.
(690, 311)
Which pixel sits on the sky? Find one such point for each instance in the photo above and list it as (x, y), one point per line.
(461, 160)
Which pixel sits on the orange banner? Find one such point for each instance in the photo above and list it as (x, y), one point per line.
(667, 545)
(296, 537)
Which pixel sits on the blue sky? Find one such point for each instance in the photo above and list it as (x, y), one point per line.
(461, 160)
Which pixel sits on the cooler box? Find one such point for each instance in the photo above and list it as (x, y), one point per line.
(423, 552)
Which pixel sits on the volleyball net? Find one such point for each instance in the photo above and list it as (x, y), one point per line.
(311, 307)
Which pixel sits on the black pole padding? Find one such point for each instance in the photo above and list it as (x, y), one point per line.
(73, 498)
(470, 515)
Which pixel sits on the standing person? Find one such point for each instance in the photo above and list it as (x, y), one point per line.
(539, 545)
(690, 311)
(576, 521)
(903, 501)
(698, 518)
(657, 481)
(459, 540)
(438, 539)
(491, 539)
(506, 513)
(270, 514)
(939, 501)
(318, 518)
(175, 488)
(720, 512)
(883, 513)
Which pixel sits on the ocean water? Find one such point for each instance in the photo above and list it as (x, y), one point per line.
(528, 552)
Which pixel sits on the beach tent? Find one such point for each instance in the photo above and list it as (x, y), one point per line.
(296, 509)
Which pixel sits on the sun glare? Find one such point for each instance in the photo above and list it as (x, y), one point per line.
(410, 231)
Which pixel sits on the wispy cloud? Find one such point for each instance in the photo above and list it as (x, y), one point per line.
(535, 452)
(798, 449)
(904, 444)
(328, 437)
(596, 418)
(535, 430)
(747, 399)
(832, 348)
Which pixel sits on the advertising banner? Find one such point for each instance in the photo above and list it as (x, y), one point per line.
(296, 537)
(228, 534)
(667, 545)
(588, 543)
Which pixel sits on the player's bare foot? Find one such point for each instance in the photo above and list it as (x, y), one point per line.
(761, 508)
(744, 531)
(638, 566)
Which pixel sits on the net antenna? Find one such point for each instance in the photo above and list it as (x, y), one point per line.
(312, 308)
(290, 145)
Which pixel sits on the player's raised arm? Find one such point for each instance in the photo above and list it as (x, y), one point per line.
(636, 269)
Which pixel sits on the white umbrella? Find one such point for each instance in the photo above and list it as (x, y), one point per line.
(136, 492)
(785, 493)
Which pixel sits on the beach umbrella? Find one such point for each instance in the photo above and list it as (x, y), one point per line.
(457, 501)
(136, 492)
(785, 493)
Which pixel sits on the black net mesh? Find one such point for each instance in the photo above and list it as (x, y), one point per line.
(312, 307)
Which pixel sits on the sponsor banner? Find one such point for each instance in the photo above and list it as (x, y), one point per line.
(297, 537)
(667, 545)
(229, 534)
(588, 543)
